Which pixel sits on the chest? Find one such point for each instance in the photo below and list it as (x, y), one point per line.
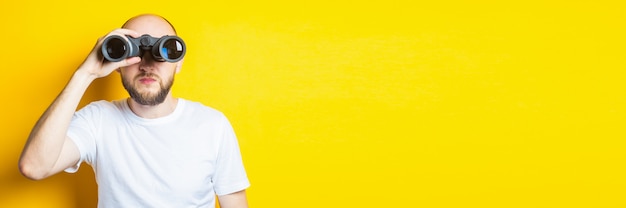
(175, 160)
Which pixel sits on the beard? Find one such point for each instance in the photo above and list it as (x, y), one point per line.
(147, 98)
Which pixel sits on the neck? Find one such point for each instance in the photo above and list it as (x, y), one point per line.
(153, 111)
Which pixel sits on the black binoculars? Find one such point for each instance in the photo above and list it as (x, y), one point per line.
(167, 48)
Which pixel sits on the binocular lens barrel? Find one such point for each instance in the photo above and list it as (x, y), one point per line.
(167, 48)
(116, 49)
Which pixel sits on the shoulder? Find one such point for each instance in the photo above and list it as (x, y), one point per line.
(199, 110)
(102, 108)
(98, 106)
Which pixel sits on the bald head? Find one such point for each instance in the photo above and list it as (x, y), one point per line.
(151, 24)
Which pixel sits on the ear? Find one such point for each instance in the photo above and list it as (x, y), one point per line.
(179, 65)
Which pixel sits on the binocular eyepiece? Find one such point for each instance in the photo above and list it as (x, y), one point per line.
(167, 48)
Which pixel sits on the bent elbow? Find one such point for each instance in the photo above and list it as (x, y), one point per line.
(31, 171)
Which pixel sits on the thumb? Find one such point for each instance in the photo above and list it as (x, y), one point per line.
(131, 61)
(111, 66)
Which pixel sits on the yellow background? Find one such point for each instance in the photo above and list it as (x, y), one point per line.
(360, 103)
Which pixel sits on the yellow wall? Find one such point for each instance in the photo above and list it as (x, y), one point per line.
(360, 103)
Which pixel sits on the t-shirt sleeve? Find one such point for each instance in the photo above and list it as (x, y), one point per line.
(230, 175)
(83, 133)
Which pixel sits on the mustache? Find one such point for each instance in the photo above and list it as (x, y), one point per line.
(147, 75)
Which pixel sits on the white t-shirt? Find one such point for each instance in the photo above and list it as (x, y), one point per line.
(180, 160)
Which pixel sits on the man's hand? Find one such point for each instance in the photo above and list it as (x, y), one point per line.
(96, 67)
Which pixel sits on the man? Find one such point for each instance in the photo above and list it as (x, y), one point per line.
(150, 150)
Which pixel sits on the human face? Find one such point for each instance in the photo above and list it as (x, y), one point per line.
(149, 81)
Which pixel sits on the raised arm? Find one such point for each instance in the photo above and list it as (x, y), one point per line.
(48, 149)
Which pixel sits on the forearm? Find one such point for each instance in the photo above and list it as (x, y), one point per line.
(47, 137)
(47, 145)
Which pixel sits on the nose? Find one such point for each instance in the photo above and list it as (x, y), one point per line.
(147, 61)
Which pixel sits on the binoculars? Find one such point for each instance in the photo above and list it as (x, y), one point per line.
(167, 48)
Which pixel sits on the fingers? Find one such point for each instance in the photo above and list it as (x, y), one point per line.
(124, 32)
(121, 32)
(110, 66)
(105, 68)
(95, 63)
(130, 61)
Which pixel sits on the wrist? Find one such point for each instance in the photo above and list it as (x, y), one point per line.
(83, 77)
(87, 71)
